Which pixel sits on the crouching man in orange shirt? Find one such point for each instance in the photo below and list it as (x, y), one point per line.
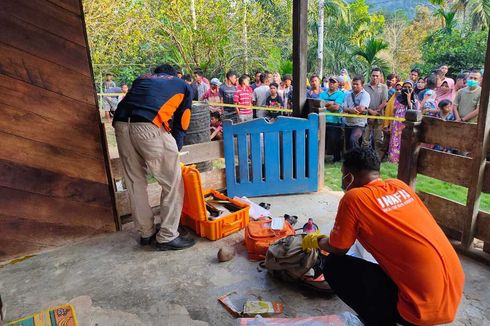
(419, 279)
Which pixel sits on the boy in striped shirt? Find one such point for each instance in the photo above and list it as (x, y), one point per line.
(243, 96)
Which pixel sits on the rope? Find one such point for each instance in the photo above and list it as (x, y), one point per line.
(345, 115)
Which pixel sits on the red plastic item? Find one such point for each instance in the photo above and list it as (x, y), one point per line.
(259, 236)
(194, 214)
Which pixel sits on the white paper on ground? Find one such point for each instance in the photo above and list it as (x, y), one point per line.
(256, 211)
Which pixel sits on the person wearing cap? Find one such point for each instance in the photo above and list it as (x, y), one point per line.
(373, 134)
(334, 98)
(212, 95)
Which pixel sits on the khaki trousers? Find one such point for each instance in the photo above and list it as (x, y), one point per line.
(142, 147)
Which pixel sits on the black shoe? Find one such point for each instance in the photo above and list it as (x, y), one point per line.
(148, 241)
(178, 243)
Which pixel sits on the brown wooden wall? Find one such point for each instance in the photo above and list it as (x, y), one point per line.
(53, 165)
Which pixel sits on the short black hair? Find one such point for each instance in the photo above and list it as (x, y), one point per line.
(359, 78)
(230, 73)
(417, 70)
(274, 84)
(463, 76)
(165, 69)
(262, 78)
(391, 76)
(376, 69)
(187, 77)
(287, 77)
(314, 76)
(216, 115)
(443, 103)
(361, 159)
(198, 72)
(242, 78)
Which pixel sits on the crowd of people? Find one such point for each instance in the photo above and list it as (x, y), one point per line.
(436, 95)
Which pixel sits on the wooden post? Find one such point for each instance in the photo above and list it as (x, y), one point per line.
(318, 106)
(410, 148)
(300, 23)
(479, 158)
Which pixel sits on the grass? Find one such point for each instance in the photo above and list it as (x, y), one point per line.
(447, 190)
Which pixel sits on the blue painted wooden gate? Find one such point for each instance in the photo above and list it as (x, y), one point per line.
(273, 158)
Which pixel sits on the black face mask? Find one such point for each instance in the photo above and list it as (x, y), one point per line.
(405, 90)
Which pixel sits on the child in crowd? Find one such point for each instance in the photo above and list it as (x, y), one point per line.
(445, 113)
(428, 104)
(446, 110)
(216, 126)
(273, 101)
(243, 96)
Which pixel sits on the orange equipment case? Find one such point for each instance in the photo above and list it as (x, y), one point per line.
(259, 236)
(194, 209)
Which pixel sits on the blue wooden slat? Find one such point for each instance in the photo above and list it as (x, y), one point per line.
(271, 152)
(256, 158)
(287, 155)
(300, 153)
(243, 159)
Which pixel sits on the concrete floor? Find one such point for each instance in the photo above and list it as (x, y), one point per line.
(111, 280)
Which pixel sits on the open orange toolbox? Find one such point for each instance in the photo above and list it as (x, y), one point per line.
(194, 213)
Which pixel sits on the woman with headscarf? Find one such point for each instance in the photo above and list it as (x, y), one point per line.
(445, 91)
(404, 101)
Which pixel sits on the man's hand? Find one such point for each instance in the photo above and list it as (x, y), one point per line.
(311, 241)
(373, 112)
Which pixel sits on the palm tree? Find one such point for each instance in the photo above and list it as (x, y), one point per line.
(478, 12)
(449, 19)
(370, 54)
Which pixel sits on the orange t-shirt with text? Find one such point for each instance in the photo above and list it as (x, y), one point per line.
(393, 224)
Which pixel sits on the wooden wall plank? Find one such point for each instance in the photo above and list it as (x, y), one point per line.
(486, 178)
(47, 16)
(202, 152)
(21, 236)
(17, 203)
(49, 47)
(51, 158)
(59, 108)
(483, 226)
(21, 177)
(19, 122)
(446, 212)
(22, 66)
(448, 133)
(443, 166)
(73, 6)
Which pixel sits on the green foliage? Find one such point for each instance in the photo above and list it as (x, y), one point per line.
(460, 52)
(370, 55)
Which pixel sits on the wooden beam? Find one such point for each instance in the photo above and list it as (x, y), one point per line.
(444, 166)
(482, 231)
(202, 152)
(447, 213)
(300, 68)
(410, 148)
(486, 178)
(448, 133)
(482, 141)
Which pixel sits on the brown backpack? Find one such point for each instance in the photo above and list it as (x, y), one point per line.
(286, 260)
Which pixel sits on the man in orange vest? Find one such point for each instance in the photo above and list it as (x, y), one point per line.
(147, 141)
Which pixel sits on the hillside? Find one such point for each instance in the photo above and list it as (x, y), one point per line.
(394, 5)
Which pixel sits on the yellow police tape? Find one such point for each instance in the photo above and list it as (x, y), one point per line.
(347, 115)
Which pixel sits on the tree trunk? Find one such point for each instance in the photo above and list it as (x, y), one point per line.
(320, 37)
(245, 38)
(193, 13)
